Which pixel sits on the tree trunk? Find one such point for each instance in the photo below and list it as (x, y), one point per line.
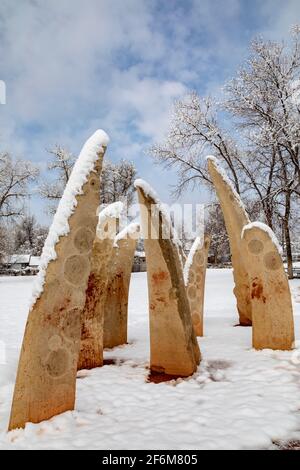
(288, 246)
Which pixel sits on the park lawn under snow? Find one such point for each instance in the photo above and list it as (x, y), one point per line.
(238, 399)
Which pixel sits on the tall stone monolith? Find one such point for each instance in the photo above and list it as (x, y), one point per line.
(45, 384)
(173, 345)
(194, 276)
(235, 218)
(272, 312)
(119, 275)
(92, 322)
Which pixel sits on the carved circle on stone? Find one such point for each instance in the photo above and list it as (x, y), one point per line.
(83, 240)
(55, 342)
(195, 318)
(255, 246)
(192, 292)
(58, 363)
(191, 276)
(272, 261)
(75, 269)
(199, 259)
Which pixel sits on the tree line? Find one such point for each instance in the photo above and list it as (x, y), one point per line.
(254, 130)
(20, 233)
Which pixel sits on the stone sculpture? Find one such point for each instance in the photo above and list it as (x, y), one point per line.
(91, 349)
(119, 275)
(194, 276)
(272, 312)
(45, 384)
(173, 345)
(236, 218)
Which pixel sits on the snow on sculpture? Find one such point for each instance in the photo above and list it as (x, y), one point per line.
(91, 348)
(194, 277)
(236, 218)
(119, 275)
(45, 384)
(272, 312)
(173, 345)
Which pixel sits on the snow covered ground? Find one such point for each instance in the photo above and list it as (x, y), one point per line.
(238, 399)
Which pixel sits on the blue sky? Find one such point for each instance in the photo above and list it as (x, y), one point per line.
(72, 66)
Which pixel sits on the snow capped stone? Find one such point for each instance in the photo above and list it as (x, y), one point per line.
(266, 229)
(150, 192)
(131, 229)
(225, 178)
(113, 211)
(60, 225)
(198, 243)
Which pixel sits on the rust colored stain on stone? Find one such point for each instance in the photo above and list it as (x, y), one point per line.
(91, 287)
(160, 276)
(257, 291)
(161, 299)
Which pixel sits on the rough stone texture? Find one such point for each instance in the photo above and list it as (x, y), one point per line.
(235, 218)
(116, 305)
(46, 378)
(182, 255)
(91, 348)
(272, 313)
(173, 345)
(195, 283)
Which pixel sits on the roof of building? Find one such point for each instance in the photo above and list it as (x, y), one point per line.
(18, 259)
(35, 261)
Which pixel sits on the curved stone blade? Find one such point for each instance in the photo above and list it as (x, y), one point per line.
(173, 345)
(272, 312)
(45, 384)
(235, 218)
(195, 272)
(119, 275)
(91, 348)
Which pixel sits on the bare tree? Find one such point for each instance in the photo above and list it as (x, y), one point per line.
(260, 151)
(194, 132)
(15, 176)
(117, 182)
(219, 244)
(6, 241)
(116, 179)
(29, 236)
(61, 165)
(265, 100)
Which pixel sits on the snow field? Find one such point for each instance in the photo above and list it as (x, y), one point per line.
(238, 398)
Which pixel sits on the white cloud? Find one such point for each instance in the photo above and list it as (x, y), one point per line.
(279, 17)
(67, 65)
(73, 66)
